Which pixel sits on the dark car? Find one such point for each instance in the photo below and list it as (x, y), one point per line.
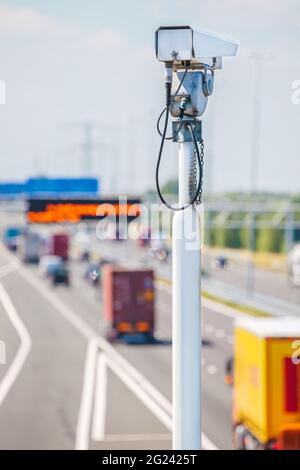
(85, 255)
(60, 275)
(221, 262)
(11, 238)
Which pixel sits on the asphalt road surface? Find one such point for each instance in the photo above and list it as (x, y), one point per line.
(64, 387)
(273, 284)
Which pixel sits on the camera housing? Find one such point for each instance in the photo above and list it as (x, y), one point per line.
(191, 91)
(183, 44)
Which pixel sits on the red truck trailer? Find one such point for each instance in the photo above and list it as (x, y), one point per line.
(58, 245)
(128, 302)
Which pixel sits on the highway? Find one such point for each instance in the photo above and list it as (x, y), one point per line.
(268, 283)
(64, 386)
(135, 232)
(274, 284)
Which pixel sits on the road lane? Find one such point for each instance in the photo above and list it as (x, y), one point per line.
(40, 421)
(128, 418)
(266, 282)
(155, 363)
(10, 342)
(40, 411)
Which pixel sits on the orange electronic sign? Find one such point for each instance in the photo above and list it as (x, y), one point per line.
(49, 211)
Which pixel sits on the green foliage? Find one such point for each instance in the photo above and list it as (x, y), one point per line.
(226, 238)
(267, 239)
(270, 240)
(171, 187)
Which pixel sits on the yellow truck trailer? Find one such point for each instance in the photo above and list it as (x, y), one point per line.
(266, 391)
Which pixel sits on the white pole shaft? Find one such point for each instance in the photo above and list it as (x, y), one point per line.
(186, 315)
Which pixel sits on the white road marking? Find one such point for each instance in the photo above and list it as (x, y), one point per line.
(230, 339)
(207, 444)
(211, 369)
(220, 334)
(2, 353)
(87, 394)
(208, 328)
(21, 356)
(163, 286)
(222, 309)
(159, 334)
(113, 355)
(99, 417)
(7, 269)
(137, 437)
(141, 393)
(83, 328)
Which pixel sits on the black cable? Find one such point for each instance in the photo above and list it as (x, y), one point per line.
(164, 110)
(163, 138)
(158, 128)
(159, 160)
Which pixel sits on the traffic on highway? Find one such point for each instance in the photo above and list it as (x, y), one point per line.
(102, 311)
(149, 229)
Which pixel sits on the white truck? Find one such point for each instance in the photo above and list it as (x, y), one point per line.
(294, 265)
(31, 247)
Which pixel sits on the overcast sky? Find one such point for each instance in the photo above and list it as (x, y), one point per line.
(66, 62)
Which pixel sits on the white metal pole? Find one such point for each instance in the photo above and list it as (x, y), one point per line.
(186, 315)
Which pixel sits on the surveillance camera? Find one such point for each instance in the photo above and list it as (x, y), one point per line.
(182, 44)
(191, 94)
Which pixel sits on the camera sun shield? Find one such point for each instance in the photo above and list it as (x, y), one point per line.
(179, 44)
